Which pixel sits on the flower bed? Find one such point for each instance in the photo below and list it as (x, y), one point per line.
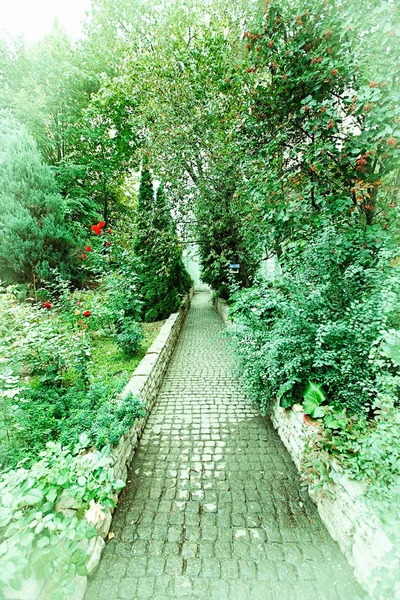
(107, 472)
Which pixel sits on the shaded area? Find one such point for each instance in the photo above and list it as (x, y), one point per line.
(213, 508)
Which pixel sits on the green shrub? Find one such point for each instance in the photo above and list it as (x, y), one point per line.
(113, 420)
(33, 235)
(129, 337)
(319, 322)
(162, 277)
(38, 539)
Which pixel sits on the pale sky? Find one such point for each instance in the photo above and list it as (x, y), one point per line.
(34, 18)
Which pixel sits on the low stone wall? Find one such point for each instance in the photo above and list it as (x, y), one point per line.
(144, 384)
(223, 310)
(341, 503)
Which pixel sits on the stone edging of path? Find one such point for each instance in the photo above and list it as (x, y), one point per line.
(145, 384)
(340, 503)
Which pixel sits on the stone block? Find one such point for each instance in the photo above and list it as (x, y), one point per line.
(94, 550)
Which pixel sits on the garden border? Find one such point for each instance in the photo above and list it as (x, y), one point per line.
(340, 502)
(145, 384)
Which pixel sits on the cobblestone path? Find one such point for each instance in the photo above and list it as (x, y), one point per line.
(213, 509)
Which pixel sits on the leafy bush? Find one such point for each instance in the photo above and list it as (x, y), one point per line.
(114, 419)
(318, 323)
(33, 234)
(39, 539)
(129, 337)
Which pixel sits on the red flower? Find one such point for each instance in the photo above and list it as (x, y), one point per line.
(87, 313)
(83, 256)
(108, 244)
(109, 231)
(101, 224)
(96, 229)
(88, 249)
(47, 305)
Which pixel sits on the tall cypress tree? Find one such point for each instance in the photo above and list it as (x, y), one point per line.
(163, 278)
(33, 234)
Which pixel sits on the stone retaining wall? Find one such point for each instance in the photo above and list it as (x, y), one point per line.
(223, 310)
(341, 503)
(144, 384)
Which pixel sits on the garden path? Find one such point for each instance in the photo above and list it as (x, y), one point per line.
(214, 509)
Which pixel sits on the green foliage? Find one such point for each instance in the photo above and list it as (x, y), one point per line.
(48, 388)
(319, 322)
(114, 419)
(34, 237)
(129, 337)
(40, 540)
(162, 277)
(313, 398)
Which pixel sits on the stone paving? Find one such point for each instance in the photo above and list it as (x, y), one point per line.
(213, 509)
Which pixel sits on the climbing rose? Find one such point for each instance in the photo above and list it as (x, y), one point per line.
(96, 229)
(108, 230)
(84, 257)
(88, 249)
(101, 224)
(47, 305)
(87, 313)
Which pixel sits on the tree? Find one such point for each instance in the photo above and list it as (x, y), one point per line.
(33, 234)
(177, 107)
(162, 276)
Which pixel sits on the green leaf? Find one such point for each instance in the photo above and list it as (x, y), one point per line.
(391, 348)
(288, 385)
(34, 496)
(5, 516)
(81, 569)
(44, 541)
(331, 422)
(51, 495)
(313, 398)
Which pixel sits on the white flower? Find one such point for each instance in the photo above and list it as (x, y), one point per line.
(94, 514)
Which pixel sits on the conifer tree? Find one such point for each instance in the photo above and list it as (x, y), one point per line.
(33, 235)
(162, 275)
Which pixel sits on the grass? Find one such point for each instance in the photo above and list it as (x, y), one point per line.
(111, 364)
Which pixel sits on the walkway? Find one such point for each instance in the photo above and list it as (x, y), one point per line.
(213, 509)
